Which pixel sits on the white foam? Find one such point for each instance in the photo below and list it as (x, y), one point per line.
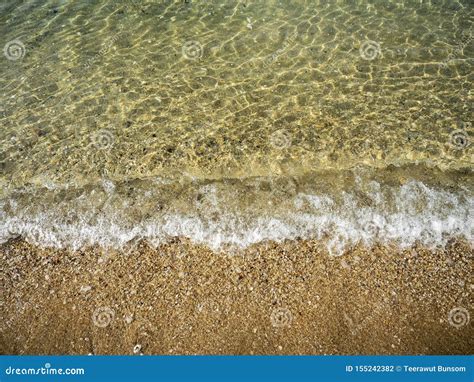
(403, 214)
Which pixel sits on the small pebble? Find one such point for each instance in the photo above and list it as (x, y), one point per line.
(137, 348)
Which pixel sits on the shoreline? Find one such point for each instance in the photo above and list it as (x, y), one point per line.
(285, 298)
(364, 205)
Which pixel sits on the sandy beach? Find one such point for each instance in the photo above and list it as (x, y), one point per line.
(287, 298)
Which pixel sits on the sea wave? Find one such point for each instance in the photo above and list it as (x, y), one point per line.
(240, 213)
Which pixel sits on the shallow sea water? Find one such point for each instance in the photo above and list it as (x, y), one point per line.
(235, 122)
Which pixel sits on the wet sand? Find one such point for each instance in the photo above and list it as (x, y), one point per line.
(288, 298)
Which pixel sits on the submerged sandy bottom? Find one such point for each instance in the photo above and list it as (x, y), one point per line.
(287, 298)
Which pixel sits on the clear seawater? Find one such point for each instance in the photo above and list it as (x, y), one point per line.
(236, 122)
